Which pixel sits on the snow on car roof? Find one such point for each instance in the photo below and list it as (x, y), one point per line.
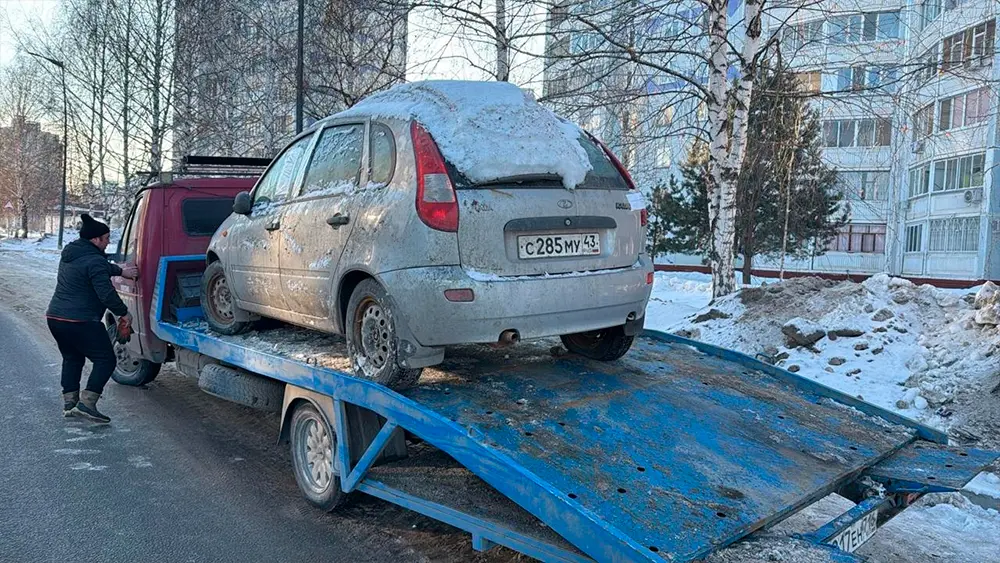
(487, 130)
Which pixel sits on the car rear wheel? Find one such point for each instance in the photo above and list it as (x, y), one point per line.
(130, 370)
(218, 302)
(606, 344)
(371, 338)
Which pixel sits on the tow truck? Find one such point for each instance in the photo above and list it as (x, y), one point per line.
(672, 453)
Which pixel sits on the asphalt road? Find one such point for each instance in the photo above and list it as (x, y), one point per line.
(177, 476)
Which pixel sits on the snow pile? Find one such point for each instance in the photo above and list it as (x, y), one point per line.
(37, 245)
(487, 130)
(986, 484)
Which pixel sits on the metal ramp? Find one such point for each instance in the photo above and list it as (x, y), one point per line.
(674, 452)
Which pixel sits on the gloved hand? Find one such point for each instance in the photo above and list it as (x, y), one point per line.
(124, 329)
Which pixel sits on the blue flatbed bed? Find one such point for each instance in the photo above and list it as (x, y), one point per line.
(672, 453)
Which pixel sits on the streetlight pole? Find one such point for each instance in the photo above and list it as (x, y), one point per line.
(299, 86)
(62, 206)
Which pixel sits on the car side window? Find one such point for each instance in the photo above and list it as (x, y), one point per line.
(274, 186)
(383, 154)
(336, 163)
(131, 238)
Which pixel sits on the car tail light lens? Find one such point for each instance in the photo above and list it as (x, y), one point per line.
(643, 217)
(459, 295)
(649, 278)
(437, 205)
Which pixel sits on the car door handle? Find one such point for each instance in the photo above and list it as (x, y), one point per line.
(338, 220)
(273, 225)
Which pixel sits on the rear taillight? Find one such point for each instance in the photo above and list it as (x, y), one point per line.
(643, 217)
(437, 205)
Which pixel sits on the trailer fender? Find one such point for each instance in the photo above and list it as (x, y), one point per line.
(296, 395)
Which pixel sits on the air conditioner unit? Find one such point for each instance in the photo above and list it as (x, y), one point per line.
(973, 196)
(918, 146)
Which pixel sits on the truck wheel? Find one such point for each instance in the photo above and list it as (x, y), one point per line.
(130, 370)
(242, 388)
(218, 302)
(314, 445)
(606, 344)
(371, 337)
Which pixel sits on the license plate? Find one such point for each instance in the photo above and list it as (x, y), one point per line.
(546, 246)
(855, 535)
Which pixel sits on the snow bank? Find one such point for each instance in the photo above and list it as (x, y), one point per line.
(487, 130)
(37, 245)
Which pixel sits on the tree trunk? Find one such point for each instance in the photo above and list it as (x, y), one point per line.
(503, 49)
(24, 216)
(747, 268)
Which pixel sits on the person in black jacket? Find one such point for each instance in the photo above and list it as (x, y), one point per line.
(83, 293)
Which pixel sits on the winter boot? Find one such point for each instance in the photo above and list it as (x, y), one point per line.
(69, 401)
(87, 407)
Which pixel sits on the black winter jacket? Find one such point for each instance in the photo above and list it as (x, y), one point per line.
(83, 289)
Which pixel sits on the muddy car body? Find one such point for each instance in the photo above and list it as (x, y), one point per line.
(367, 203)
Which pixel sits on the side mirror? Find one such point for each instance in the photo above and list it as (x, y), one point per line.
(242, 204)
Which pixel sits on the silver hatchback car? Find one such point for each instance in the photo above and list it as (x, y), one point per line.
(374, 224)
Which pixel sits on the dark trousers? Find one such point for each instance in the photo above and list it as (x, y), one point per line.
(84, 341)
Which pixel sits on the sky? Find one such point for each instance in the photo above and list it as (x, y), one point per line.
(16, 14)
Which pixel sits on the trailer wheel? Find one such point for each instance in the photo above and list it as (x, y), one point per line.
(241, 387)
(605, 345)
(218, 302)
(314, 445)
(130, 370)
(371, 337)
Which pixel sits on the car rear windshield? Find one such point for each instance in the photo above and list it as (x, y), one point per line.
(603, 176)
(202, 216)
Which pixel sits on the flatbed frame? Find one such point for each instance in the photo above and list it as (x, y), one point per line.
(674, 452)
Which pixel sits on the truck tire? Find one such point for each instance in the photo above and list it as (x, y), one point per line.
(606, 345)
(130, 371)
(371, 337)
(242, 388)
(314, 445)
(218, 302)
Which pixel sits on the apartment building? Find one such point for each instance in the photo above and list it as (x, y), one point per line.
(907, 93)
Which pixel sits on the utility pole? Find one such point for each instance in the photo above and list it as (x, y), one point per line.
(299, 86)
(65, 141)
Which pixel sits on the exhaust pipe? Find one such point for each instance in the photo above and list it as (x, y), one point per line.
(509, 337)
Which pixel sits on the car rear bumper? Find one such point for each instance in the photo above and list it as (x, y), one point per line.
(536, 307)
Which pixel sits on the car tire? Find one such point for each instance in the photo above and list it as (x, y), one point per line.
(606, 344)
(242, 388)
(130, 371)
(372, 343)
(314, 447)
(218, 302)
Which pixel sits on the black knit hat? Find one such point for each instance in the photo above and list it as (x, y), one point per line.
(92, 228)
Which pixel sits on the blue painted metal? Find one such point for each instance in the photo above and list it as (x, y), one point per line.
(365, 463)
(923, 431)
(676, 451)
(829, 530)
(185, 314)
(930, 468)
(486, 531)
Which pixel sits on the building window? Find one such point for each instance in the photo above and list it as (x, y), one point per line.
(920, 179)
(866, 78)
(855, 238)
(923, 122)
(873, 26)
(960, 234)
(972, 47)
(928, 64)
(584, 42)
(914, 238)
(663, 156)
(929, 11)
(959, 173)
(965, 109)
(795, 36)
(864, 185)
(810, 81)
(857, 132)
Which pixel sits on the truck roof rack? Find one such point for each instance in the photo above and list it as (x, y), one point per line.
(222, 165)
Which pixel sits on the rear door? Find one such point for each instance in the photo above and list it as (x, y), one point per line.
(318, 222)
(129, 290)
(255, 239)
(536, 226)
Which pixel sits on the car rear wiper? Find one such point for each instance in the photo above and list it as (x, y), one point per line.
(521, 180)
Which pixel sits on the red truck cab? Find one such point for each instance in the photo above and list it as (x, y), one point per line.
(171, 218)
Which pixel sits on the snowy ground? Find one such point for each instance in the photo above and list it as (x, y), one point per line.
(935, 364)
